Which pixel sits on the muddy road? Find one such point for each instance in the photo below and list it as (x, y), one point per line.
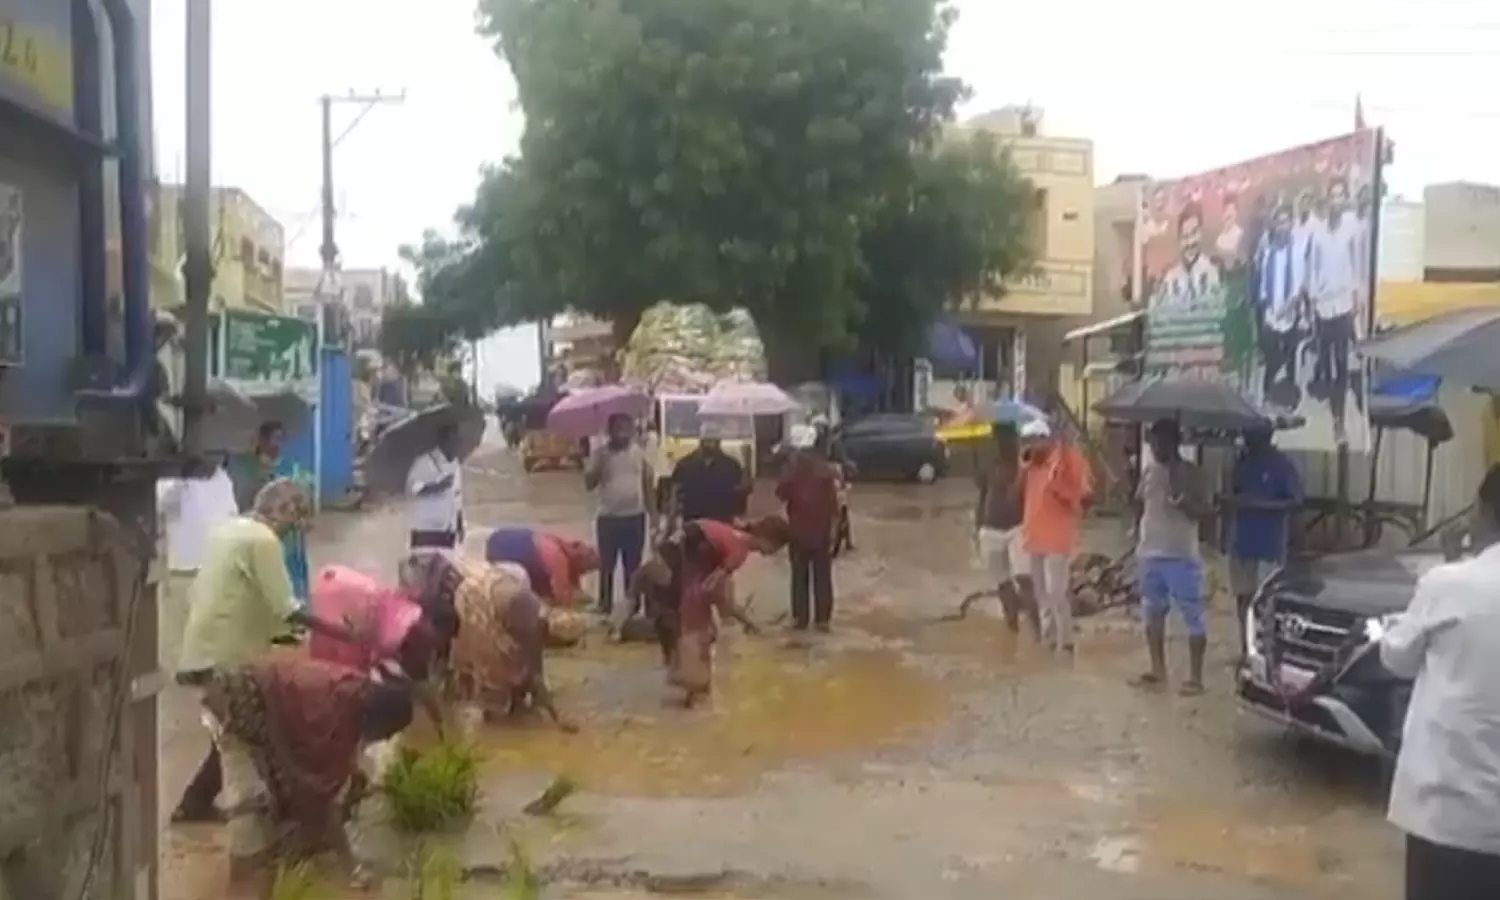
(898, 757)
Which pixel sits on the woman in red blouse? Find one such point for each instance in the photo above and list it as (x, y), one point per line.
(702, 560)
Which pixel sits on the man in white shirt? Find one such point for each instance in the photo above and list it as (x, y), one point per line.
(1195, 278)
(435, 486)
(1446, 792)
(188, 508)
(1231, 240)
(1334, 292)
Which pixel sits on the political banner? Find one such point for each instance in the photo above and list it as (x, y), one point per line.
(1262, 274)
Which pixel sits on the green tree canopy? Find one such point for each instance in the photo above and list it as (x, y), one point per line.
(414, 336)
(775, 155)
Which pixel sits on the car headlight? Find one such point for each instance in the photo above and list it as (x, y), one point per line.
(1252, 631)
(1377, 626)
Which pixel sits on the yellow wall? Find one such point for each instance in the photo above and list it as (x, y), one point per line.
(1403, 302)
(249, 247)
(1063, 281)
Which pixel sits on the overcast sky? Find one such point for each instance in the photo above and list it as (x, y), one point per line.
(1163, 87)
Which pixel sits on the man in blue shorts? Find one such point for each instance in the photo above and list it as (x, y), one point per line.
(1172, 500)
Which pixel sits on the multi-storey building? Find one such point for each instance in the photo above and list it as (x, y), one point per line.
(1018, 330)
(249, 246)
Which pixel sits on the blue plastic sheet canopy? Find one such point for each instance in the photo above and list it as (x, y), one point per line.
(951, 347)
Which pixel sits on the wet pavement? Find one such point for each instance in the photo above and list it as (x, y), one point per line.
(898, 757)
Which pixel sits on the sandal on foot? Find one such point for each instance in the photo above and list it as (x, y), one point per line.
(1148, 681)
(1190, 689)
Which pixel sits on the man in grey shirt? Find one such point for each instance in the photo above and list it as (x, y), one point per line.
(1171, 571)
(620, 477)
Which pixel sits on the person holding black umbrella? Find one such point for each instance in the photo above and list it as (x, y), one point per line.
(435, 485)
(1171, 501)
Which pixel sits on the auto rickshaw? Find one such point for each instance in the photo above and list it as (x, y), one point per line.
(540, 448)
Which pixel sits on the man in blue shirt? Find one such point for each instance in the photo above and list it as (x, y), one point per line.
(1267, 490)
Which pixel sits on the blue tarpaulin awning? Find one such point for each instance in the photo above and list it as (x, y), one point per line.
(950, 346)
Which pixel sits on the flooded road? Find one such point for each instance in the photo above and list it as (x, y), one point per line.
(897, 757)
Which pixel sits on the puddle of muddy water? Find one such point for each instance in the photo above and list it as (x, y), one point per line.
(773, 706)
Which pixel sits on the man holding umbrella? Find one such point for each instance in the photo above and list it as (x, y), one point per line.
(435, 485)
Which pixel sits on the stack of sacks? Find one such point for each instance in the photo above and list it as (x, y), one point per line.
(689, 349)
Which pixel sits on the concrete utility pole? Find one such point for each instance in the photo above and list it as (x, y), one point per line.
(329, 249)
(197, 221)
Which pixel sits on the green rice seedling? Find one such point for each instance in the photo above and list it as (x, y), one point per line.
(432, 788)
(436, 874)
(296, 882)
(522, 882)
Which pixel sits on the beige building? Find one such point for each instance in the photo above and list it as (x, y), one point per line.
(361, 294)
(249, 246)
(1018, 330)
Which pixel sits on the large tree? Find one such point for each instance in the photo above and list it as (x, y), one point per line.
(948, 242)
(758, 153)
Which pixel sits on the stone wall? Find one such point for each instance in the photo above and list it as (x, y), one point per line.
(68, 582)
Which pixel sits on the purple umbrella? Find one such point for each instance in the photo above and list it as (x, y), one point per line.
(586, 412)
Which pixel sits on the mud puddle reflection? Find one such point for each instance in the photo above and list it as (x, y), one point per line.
(773, 706)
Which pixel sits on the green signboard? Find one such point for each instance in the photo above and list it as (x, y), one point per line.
(267, 350)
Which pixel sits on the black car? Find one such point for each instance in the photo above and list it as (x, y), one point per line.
(1313, 662)
(893, 445)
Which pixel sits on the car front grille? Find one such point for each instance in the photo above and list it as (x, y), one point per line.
(1309, 636)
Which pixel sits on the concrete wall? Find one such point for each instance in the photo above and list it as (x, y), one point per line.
(249, 247)
(1403, 241)
(65, 592)
(1463, 226)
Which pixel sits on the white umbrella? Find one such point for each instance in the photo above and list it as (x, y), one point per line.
(753, 398)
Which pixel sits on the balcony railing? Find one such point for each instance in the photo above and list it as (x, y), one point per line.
(1051, 288)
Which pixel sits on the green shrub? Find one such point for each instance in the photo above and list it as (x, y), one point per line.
(432, 788)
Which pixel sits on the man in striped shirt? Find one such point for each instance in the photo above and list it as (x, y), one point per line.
(1195, 278)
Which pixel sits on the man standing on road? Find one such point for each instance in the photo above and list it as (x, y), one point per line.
(1171, 571)
(1056, 485)
(809, 488)
(620, 478)
(1267, 490)
(1446, 791)
(435, 486)
(710, 484)
(997, 530)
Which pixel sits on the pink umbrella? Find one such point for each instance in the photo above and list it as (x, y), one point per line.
(752, 398)
(586, 411)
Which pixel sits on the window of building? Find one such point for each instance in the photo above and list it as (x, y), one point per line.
(1036, 226)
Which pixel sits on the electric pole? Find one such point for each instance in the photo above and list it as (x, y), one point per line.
(197, 222)
(328, 286)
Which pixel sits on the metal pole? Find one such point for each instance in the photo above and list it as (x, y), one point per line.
(329, 250)
(197, 222)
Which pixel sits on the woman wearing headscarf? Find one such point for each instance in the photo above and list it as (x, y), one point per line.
(239, 604)
(396, 637)
(290, 731)
(698, 564)
(554, 565)
(495, 658)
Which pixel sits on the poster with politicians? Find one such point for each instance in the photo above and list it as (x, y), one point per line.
(1261, 274)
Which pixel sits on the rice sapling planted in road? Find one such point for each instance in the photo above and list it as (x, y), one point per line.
(432, 788)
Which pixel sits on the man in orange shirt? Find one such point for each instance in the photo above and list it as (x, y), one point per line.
(1057, 484)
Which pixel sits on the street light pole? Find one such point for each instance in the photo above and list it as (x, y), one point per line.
(329, 250)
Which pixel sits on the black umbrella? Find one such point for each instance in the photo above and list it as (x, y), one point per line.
(402, 442)
(1457, 346)
(1194, 403)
